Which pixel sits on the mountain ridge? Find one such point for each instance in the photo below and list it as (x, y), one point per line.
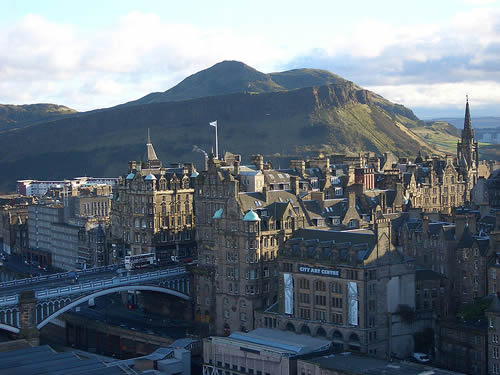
(282, 121)
(233, 77)
(17, 116)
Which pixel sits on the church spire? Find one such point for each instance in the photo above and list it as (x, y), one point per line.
(467, 133)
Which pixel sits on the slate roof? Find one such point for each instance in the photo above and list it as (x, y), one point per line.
(284, 342)
(43, 360)
(354, 237)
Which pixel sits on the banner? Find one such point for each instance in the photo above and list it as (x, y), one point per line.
(288, 281)
(352, 301)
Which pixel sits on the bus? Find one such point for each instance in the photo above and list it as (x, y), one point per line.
(139, 261)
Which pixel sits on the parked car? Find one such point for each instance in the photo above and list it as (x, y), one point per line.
(421, 357)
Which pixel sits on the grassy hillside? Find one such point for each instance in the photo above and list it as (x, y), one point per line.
(299, 122)
(18, 116)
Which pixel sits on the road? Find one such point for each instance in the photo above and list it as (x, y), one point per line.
(110, 310)
(64, 280)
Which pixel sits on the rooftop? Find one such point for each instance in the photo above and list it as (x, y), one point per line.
(354, 364)
(284, 342)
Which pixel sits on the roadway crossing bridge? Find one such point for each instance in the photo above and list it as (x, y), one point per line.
(27, 305)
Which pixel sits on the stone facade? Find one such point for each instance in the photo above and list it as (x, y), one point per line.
(238, 236)
(344, 287)
(152, 210)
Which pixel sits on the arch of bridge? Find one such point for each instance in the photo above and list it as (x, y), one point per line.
(109, 291)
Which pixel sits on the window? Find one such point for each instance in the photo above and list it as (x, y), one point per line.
(337, 303)
(495, 352)
(304, 298)
(336, 318)
(336, 287)
(304, 284)
(320, 300)
(243, 316)
(496, 369)
(305, 313)
(492, 323)
(494, 339)
(320, 286)
(319, 315)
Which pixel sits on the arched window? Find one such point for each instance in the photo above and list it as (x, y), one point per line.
(290, 327)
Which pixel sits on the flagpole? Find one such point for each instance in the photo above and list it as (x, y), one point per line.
(216, 141)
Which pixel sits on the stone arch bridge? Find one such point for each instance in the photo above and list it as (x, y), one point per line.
(28, 305)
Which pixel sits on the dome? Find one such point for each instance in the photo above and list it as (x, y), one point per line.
(130, 176)
(251, 216)
(150, 177)
(194, 174)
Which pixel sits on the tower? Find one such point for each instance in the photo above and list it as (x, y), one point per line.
(468, 154)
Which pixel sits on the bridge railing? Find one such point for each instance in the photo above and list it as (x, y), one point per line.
(85, 286)
(99, 284)
(58, 276)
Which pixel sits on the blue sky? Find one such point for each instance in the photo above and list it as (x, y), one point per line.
(424, 54)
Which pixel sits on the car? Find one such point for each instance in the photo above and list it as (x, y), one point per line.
(421, 357)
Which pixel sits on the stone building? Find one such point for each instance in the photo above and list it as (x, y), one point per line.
(463, 346)
(344, 286)
(238, 236)
(493, 334)
(13, 223)
(152, 209)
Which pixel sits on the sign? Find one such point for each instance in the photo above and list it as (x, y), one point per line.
(288, 281)
(319, 271)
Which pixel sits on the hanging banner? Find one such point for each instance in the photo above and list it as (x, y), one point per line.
(288, 281)
(352, 300)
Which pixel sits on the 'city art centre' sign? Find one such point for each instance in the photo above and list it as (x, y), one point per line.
(319, 271)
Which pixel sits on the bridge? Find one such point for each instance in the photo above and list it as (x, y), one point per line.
(27, 305)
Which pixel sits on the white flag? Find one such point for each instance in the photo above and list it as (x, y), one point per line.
(213, 123)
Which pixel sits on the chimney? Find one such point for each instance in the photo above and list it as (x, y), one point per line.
(471, 220)
(298, 165)
(320, 197)
(258, 161)
(425, 225)
(460, 221)
(264, 193)
(295, 184)
(351, 200)
(236, 166)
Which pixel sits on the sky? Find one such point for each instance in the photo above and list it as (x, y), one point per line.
(426, 55)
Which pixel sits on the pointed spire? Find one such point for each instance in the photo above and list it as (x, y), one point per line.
(467, 132)
(151, 154)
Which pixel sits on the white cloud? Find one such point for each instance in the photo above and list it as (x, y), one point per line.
(116, 64)
(426, 65)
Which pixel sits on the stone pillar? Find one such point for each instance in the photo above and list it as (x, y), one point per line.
(27, 323)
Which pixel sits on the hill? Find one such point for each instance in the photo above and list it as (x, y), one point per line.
(229, 77)
(296, 123)
(19, 116)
